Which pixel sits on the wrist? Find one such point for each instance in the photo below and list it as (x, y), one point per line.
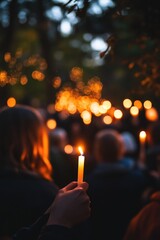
(58, 222)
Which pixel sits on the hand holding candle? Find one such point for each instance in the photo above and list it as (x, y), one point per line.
(81, 159)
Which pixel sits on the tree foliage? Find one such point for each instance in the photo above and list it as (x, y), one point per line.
(130, 28)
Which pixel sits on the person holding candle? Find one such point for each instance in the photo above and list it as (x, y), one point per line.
(26, 185)
(115, 187)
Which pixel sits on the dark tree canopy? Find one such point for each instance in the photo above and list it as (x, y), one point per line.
(35, 45)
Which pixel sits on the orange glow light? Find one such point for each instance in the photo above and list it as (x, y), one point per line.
(86, 115)
(23, 80)
(151, 114)
(37, 75)
(11, 102)
(147, 104)
(7, 57)
(68, 149)
(142, 136)
(80, 150)
(51, 124)
(134, 111)
(107, 120)
(57, 82)
(102, 109)
(107, 104)
(127, 103)
(118, 114)
(94, 107)
(138, 104)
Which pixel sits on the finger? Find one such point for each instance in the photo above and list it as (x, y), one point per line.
(70, 186)
(84, 185)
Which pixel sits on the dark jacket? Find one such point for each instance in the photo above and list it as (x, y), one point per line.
(146, 225)
(38, 231)
(153, 158)
(115, 190)
(23, 198)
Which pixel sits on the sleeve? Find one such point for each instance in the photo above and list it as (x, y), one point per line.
(32, 232)
(55, 232)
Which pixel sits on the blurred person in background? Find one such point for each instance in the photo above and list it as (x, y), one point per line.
(26, 185)
(115, 187)
(146, 224)
(64, 165)
(153, 153)
(130, 145)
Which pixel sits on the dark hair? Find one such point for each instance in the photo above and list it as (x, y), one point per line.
(24, 141)
(109, 145)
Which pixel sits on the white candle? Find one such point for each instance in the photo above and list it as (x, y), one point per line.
(142, 154)
(81, 159)
(142, 137)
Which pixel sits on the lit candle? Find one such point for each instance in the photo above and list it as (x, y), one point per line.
(142, 137)
(81, 159)
(142, 153)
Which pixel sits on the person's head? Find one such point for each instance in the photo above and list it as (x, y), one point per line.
(24, 141)
(108, 146)
(58, 138)
(130, 145)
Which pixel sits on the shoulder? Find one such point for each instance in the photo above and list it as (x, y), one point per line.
(147, 222)
(26, 183)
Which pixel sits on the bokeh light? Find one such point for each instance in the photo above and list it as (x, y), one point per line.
(37, 75)
(147, 104)
(7, 57)
(127, 103)
(3, 78)
(107, 104)
(76, 74)
(68, 149)
(23, 80)
(11, 102)
(118, 114)
(94, 107)
(98, 44)
(51, 124)
(152, 114)
(57, 82)
(142, 136)
(86, 116)
(66, 28)
(107, 119)
(138, 104)
(102, 109)
(134, 111)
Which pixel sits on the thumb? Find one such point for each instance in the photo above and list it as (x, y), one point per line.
(84, 185)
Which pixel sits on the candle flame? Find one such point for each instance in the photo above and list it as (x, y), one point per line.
(80, 150)
(142, 134)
